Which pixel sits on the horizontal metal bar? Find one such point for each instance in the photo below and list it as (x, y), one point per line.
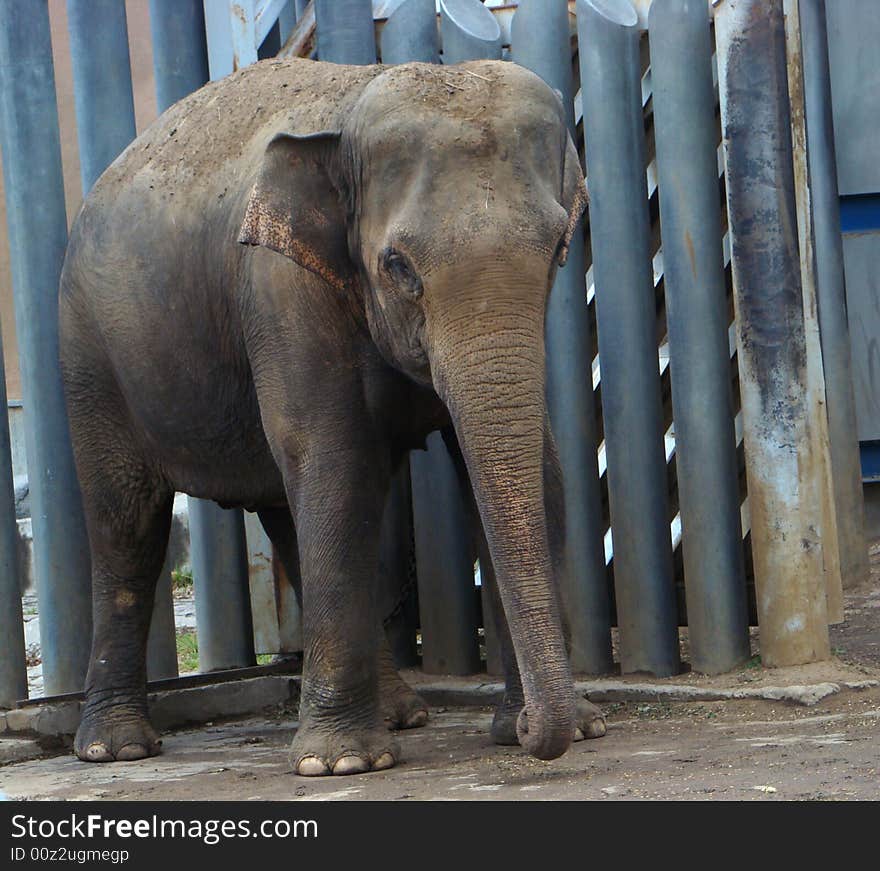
(292, 666)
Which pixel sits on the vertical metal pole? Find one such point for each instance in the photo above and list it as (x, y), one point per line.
(696, 317)
(13, 670)
(781, 462)
(394, 571)
(469, 32)
(105, 126)
(101, 84)
(615, 151)
(447, 595)
(286, 21)
(180, 53)
(346, 33)
(831, 293)
(218, 546)
(180, 66)
(37, 225)
(541, 41)
(223, 605)
(410, 34)
(162, 638)
(443, 554)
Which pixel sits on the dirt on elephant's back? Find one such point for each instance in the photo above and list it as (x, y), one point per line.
(215, 125)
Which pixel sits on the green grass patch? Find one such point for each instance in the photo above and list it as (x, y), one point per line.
(181, 579)
(187, 652)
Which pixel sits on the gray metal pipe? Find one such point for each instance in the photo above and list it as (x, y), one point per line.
(443, 549)
(540, 40)
(346, 33)
(37, 225)
(224, 625)
(685, 133)
(180, 53)
(410, 34)
(447, 595)
(783, 465)
(162, 638)
(831, 296)
(469, 31)
(223, 603)
(13, 670)
(625, 311)
(101, 83)
(180, 66)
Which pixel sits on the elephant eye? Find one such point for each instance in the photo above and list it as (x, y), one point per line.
(399, 269)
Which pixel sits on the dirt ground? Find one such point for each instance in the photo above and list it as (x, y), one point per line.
(749, 750)
(740, 749)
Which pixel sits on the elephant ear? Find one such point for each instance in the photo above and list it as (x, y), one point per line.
(296, 209)
(574, 197)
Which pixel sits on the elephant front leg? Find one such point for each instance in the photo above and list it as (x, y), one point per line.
(338, 498)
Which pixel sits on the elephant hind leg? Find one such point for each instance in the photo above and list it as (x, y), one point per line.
(128, 515)
(402, 707)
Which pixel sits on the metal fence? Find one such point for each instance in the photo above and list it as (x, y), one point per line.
(710, 461)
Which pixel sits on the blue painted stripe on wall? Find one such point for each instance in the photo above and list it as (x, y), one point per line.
(859, 214)
(870, 457)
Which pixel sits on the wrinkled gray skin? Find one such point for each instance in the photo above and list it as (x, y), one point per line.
(280, 288)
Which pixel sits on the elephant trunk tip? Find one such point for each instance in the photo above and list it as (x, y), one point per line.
(542, 738)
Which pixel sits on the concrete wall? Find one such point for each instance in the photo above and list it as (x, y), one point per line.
(145, 110)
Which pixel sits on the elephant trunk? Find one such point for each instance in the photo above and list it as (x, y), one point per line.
(491, 373)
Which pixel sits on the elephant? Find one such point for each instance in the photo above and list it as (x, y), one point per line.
(272, 295)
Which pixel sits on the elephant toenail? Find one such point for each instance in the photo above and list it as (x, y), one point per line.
(98, 753)
(416, 719)
(130, 752)
(578, 734)
(385, 760)
(350, 764)
(598, 728)
(312, 766)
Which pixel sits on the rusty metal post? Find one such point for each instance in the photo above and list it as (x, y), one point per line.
(831, 295)
(782, 466)
(620, 233)
(696, 317)
(345, 30)
(37, 225)
(540, 40)
(469, 31)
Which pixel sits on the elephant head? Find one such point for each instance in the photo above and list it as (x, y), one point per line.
(444, 203)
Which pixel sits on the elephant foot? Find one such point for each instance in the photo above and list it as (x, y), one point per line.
(402, 707)
(503, 730)
(315, 753)
(113, 736)
(589, 721)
